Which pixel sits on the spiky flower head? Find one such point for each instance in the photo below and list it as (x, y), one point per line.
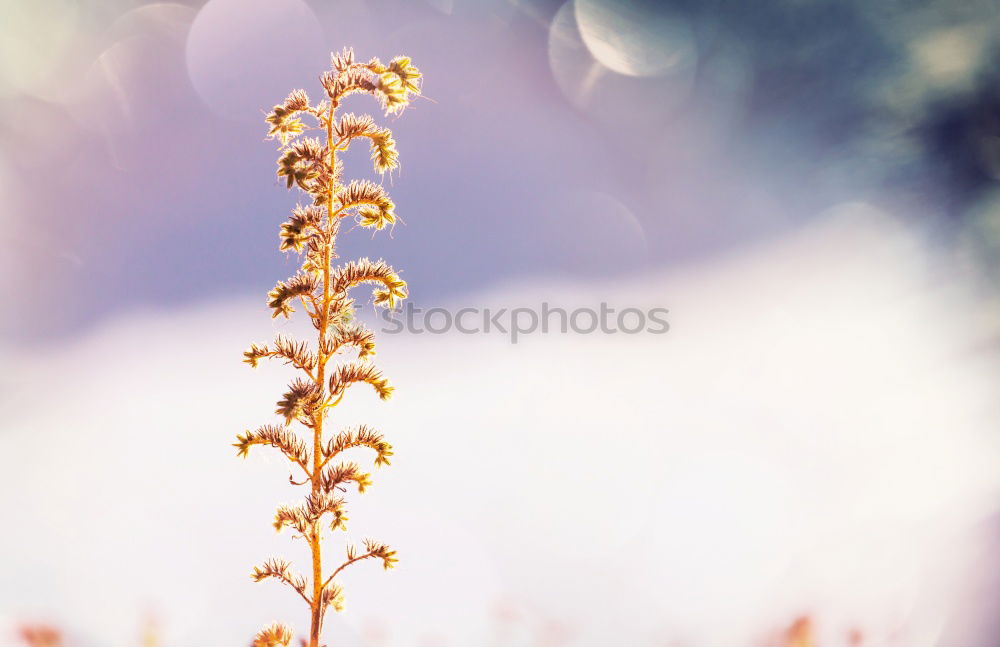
(285, 125)
(391, 84)
(273, 636)
(381, 551)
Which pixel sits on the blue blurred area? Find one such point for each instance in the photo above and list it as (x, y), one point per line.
(125, 187)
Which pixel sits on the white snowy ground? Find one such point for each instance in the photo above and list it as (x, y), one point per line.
(813, 435)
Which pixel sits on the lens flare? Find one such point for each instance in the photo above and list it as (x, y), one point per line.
(239, 56)
(34, 37)
(167, 19)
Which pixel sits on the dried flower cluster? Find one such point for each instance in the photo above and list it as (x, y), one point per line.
(323, 292)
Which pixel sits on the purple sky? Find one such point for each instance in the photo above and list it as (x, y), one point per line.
(138, 175)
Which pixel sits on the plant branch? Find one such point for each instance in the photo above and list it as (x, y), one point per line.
(346, 564)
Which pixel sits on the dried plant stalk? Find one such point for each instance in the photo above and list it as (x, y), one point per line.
(311, 164)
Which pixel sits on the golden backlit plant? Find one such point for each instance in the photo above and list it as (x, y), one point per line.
(323, 291)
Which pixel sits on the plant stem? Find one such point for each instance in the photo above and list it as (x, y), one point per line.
(314, 544)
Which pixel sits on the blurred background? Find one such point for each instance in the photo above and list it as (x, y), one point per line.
(810, 457)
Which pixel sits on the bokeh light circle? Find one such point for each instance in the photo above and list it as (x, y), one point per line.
(241, 53)
(606, 95)
(634, 37)
(599, 231)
